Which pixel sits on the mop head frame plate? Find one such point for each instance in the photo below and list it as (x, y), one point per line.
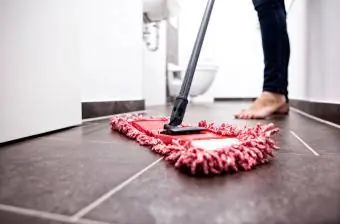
(250, 146)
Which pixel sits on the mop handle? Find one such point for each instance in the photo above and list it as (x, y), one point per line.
(189, 75)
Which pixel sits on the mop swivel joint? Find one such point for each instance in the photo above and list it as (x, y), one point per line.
(178, 111)
(177, 115)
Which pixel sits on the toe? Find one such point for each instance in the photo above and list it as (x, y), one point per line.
(239, 114)
(245, 115)
(250, 115)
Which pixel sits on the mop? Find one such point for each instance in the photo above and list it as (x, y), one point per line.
(205, 148)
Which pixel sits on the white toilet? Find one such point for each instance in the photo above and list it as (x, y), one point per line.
(204, 76)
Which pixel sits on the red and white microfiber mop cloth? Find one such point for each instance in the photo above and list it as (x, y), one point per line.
(220, 149)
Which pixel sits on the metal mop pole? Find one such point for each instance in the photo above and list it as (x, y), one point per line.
(181, 102)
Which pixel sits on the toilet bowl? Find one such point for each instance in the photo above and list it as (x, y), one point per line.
(202, 81)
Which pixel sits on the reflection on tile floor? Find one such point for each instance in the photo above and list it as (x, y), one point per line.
(63, 172)
(290, 190)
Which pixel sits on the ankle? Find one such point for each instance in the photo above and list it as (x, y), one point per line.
(273, 96)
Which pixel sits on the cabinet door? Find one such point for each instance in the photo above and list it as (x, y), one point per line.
(39, 74)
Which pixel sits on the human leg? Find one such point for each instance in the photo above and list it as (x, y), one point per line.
(276, 51)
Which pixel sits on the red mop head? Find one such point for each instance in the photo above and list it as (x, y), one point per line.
(220, 149)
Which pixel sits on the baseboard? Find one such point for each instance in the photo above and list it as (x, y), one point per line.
(234, 99)
(100, 109)
(326, 111)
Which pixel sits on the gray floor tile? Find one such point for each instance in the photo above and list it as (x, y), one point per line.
(64, 176)
(11, 218)
(81, 133)
(321, 137)
(292, 189)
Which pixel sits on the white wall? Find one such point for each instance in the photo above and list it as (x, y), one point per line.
(323, 67)
(39, 71)
(154, 71)
(111, 50)
(233, 42)
(297, 31)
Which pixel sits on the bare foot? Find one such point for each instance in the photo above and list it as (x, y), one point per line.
(283, 110)
(264, 106)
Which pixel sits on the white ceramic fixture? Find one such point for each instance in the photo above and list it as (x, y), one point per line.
(202, 81)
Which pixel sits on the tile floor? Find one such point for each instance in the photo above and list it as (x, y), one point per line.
(89, 175)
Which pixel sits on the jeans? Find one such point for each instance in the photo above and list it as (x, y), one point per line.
(275, 44)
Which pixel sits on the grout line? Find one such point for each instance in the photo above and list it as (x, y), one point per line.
(113, 191)
(315, 118)
(304, 143)
(45, 215)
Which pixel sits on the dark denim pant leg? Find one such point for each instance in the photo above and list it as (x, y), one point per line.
(275, 44)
